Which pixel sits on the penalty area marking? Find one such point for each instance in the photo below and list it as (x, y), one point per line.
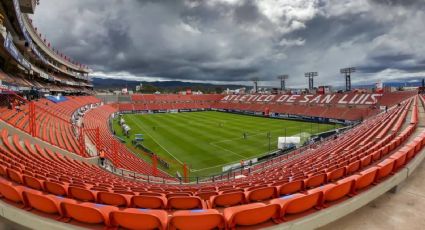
(229, 163)
(228, 150)
(215, 145)
(225, 149)
(249, 135)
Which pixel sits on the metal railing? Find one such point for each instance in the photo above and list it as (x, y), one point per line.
(231, 175)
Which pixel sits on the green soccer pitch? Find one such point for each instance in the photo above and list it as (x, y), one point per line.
(209, 140)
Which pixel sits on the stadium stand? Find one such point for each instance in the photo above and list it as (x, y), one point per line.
(53, 121)
(48, 176)
(35, 66)
(37, 178)
(99, 117)
(343, 106)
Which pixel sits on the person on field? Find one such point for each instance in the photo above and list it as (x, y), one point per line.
(102, 157)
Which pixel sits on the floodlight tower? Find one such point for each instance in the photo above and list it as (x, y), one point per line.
(347, 72)
(255, 81)
(283, 79)
(310, 76)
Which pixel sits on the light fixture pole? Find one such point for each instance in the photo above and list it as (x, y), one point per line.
(283, 79)
(310, 76)
(347, 72)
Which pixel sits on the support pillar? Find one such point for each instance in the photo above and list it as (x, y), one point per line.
(98, 143)
(115, 152)
(31, 114)
(154, 164)
(185, 173)
(82, 142)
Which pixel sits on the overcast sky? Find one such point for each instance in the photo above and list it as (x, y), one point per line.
(235, 40)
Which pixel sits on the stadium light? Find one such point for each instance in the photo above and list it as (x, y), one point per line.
(347, 72)
(255, 81)
(310, 76)
(283, 79)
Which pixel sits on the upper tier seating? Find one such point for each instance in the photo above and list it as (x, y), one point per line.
(347, 106)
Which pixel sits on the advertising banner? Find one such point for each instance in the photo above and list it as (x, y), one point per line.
(14, 52)
(25, 32)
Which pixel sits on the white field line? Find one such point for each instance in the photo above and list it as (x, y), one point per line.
(215, 144)
(131, 117)
(304, 134)
(228, 150)
(216, 166)
(239, 138)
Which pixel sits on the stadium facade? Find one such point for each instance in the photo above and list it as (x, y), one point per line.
(29, 62)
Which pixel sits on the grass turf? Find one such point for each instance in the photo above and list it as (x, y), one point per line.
(206, 141)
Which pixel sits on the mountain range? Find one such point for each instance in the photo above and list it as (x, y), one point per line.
(118, 84)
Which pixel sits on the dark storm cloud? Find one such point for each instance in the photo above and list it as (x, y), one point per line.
(400, 2)
(393, 58)
(247, 13)
(235, 40)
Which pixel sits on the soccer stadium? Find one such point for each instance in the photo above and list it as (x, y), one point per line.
(102, 147)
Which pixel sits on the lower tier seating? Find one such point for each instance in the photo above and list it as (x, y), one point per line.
(39, 180)
(99, 117)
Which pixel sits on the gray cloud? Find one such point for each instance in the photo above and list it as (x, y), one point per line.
(400, 2)
(234, 40)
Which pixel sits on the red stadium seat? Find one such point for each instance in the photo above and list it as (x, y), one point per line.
(205, 195)
(43, 202)
(89, 213)
(208, 189)
(232, 190)
(14, 175)
(365, 161)
(227, 199)
(150, 194)
(363, 179)
(334, 192)
(183, 203)
(298, 203)
(315, 181)
(152, 202)
(169, 195)
(376, 155)
(410, 152)
(82, 194)
(250, 214)
(261, 194)
(131, 218)
(385, 168)
(114, 199)
(291, 187)
(400, 158)
(336, 174)
(32, 182)
(3, 171)
(197, 219)
(56, 188)
(11, 191)
(353, 167)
